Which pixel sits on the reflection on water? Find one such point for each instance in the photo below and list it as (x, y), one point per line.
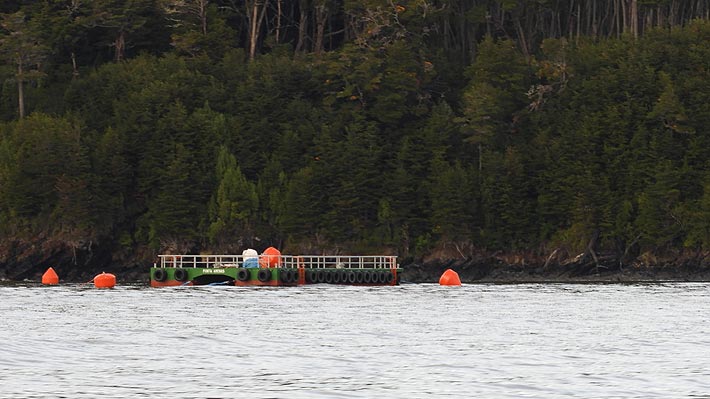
(409, 341)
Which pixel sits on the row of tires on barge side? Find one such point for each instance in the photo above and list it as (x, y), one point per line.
(321, 276)
(351, 276)
(287, 276)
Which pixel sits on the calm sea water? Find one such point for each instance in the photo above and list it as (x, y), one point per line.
(411, 341)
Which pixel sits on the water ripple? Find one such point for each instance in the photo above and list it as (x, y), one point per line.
(410, 341)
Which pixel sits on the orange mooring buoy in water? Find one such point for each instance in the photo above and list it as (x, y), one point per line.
(105, 280)
(449, 277)
(50, 277)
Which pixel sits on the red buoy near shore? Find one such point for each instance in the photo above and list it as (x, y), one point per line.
(105, 280)
(449, 277)
(50, 277)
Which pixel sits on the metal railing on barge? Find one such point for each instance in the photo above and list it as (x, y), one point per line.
(285, 261)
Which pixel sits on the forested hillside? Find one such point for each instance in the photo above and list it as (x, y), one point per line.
(130, 128)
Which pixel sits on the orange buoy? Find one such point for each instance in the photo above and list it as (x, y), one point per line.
(105, 280)
(50, 277)
(449, 277)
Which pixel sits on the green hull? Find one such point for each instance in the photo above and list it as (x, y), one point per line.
(176, 276)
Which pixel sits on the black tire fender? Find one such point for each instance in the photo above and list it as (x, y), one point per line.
(286, 276)
(243, 274)
(382, 277)
(311, 276)
(359, 277)
(160, 275)
(180, 274)
(264, 275)
(367, 277)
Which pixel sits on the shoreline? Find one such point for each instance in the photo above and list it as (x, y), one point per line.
(25, 263)
(499, 272)
(429, 274)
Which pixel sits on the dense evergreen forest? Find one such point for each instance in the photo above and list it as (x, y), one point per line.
(135, 127)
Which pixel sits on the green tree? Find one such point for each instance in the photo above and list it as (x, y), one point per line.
(47, 179)
(173, 212)
(453, 202)
(302, 210)
(699, 221)
(658, 220)
(668, 110)
(20, 46)
(355, 169)
(408, 182)
(234, 206)
(507, 202)
(113, 187)
(58, 24)
(495, 100)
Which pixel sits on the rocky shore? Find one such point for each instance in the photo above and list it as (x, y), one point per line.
(495, 270)
(24, 261)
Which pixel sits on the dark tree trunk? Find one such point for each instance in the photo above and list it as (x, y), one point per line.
(20, 89)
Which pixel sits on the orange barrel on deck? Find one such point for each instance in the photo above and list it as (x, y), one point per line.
(271, 257)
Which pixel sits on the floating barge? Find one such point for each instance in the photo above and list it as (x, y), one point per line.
(274, 270)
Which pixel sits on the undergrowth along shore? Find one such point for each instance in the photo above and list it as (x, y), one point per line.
(495, 270)
(27, 262)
